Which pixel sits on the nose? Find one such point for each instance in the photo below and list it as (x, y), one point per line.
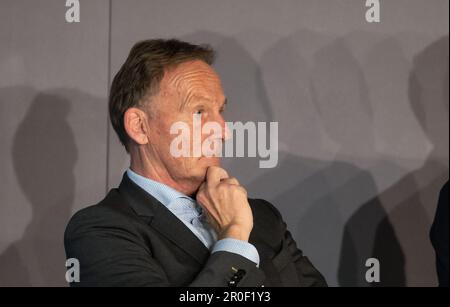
(225, 129)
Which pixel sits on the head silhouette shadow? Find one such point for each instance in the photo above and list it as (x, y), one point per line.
(411, 197)
(412, 215)
(369, 232)
(44, 155)
(317, 196)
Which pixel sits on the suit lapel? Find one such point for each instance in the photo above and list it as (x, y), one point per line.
(162, 220)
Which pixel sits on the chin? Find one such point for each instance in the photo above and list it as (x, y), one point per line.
(202, 166)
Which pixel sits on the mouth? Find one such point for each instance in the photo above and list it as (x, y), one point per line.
(215, 160)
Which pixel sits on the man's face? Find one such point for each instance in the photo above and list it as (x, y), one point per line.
(191, 89)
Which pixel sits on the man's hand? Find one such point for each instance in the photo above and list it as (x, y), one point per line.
(226, 205)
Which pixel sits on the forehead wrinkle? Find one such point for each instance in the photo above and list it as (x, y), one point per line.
(182, 73)
(200, 82)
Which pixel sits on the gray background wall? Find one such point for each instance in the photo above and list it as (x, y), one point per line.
(362, 111)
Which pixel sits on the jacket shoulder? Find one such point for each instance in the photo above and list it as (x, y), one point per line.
(111, 212)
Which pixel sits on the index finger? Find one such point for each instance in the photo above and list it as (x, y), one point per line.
(214, 175)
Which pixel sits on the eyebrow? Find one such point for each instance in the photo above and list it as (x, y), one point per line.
(193, 98)
(198, 97)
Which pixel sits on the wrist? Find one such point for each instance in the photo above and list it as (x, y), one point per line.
(237, 232)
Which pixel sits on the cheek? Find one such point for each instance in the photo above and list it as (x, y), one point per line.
(163, 135)
(185, 167)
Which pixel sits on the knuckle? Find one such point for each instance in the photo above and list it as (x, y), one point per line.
(222, 187)
(243, 190)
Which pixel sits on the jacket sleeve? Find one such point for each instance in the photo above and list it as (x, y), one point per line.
(110, 253)
(307, 274)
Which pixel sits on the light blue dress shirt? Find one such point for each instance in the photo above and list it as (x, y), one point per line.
(191, 214)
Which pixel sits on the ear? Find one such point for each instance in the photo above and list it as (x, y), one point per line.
(135, 122)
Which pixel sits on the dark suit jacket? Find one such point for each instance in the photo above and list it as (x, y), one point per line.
(439, 237)
(131, 239)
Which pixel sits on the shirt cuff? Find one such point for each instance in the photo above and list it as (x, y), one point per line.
(239, 247)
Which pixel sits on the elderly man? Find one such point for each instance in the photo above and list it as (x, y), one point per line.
(178, 221)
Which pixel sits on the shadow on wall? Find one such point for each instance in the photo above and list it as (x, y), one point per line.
(368, 231)
(44, 154)
(413, 199)
(317, 102)
(342, 219)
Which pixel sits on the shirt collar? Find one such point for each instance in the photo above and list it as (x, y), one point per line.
(163, 193)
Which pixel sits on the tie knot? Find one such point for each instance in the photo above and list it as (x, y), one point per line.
(187, 208)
